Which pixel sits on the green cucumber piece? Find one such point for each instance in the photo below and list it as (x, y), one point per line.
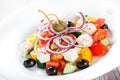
(40, 65)
(69, 69)
(105, 41)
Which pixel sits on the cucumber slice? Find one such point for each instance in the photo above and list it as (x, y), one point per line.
(105, 41)
(69, 69)
(40, 65)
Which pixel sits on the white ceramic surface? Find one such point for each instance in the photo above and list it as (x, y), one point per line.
(16, 28)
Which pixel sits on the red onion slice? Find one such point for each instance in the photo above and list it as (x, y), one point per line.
(40, 35)
(68, 39)
(48, 50)
(40, 32)
(56, 42)
(82, 23)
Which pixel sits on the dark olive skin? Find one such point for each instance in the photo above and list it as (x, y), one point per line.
(29, 63)
(70, 24)
(82, 64)
(51, 71)
(105, 26)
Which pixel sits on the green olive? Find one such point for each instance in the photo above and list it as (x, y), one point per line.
(58, 27)
(63, 23)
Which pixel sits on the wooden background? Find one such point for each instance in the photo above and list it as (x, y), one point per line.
(112, 75)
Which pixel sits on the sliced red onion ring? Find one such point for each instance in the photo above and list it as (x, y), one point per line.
(74, 30)
(56, 42)
(40, 32)
(40, 35)
(48, 50)
(68, 39)
(82, 23)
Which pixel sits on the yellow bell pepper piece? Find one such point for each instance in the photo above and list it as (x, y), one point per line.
(37, 46)
(33, 55)
(86, 54)
(91, 18)
(56, 57)
(32, 38)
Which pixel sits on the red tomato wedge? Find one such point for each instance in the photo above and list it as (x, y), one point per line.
(99, 22)
(73, 36)
(46, 34)
(100, 34)
(42, 43)
(98, 49)
(64, 43)
(62, 65)
(59, 64)
(52, 63)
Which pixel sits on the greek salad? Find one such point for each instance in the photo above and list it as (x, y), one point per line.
(62, 47)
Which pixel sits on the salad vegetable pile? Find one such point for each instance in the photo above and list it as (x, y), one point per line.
(63, 47)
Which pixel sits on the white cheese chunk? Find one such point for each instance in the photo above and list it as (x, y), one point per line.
(40, 50)
(25, 48)
(70, 55)
(77, 49)
(89, 28)
(43, 57)
(84, 40)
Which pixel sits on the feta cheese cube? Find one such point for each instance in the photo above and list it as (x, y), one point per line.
(89, 28)
(41, 50)
(84, 40)
(77, 49)
(43, 57)
(25, 48)
(70, 55)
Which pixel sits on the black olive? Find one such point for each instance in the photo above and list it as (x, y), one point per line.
(70, 24)
(105, 26)
(51, 70)
(82, 64)
(29, 63)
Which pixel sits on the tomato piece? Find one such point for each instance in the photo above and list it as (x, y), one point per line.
(65, 33)
(98, 49)
(62, 65)
(59, 64)
(100, 34)
(52, 63)
(99, 22)
(73, 36)
(64, 43)
(47, 34)
(42, 43)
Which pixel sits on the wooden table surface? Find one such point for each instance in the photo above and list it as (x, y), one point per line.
(112, 75)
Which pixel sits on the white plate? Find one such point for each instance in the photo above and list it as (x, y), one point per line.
(15, 29)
